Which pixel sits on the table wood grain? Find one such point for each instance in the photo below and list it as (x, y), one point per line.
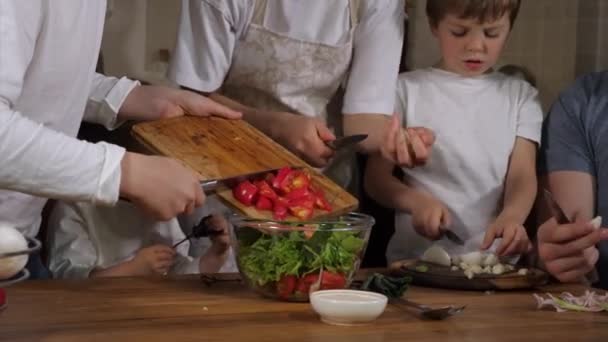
(186, 309)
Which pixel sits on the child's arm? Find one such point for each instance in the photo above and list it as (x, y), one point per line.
(156, 259)
(429, 215)
(519, 194)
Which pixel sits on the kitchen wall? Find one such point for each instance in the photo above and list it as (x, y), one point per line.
(556, 39)
(135, 33)
(592, 36)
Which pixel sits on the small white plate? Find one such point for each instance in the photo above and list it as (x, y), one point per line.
(347, 307)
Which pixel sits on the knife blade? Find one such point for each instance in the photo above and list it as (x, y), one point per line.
(214, 184)
(343, 142)
(450, 235)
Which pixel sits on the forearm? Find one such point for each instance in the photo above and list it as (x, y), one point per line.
(40, 161)
(519, 195)
(125, 269)
(385, 188)
(374, 125)
(109, 102)
(265, 121)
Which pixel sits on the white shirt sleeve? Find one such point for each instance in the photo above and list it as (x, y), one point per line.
(106, 97)
(530, 116)
(36, 159)
(71, 251)
(377, 53)
(207, 36)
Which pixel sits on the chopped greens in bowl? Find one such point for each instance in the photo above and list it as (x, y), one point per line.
(288, 260)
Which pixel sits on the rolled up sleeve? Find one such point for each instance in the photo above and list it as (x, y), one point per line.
(377, 53)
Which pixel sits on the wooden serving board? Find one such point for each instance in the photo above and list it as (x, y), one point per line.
(444, 277)
(218, 148)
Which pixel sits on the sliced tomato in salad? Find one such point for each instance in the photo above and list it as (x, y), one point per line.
(329, 281)
(286, 286)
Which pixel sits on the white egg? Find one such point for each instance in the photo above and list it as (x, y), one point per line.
(11, 240)
(437, 255)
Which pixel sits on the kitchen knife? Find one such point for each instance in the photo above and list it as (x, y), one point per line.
(343, 142)
(213, 184)
(450, 235)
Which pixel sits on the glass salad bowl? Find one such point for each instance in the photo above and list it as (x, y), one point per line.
(289, 260)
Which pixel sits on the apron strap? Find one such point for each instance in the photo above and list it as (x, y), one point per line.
(354, 12)
(259, 11)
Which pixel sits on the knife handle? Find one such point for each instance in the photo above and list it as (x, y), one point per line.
(209, 185)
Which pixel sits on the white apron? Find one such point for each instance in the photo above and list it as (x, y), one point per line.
(274, 72)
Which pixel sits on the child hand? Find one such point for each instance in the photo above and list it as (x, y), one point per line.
(220, 239)
(156, 259)
(430, 216)
(215, 257)
(514, 237)
(407, 147)
(305, 137)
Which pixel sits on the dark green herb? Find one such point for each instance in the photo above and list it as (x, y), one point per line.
(392, 287)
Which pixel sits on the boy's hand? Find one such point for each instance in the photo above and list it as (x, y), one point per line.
(430, 216)
(220, 238)
(514, 237)
(156, 259)
(216, 255)
(304, 136)
(407, 147)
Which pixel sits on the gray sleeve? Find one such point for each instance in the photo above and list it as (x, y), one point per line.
(565, 140)
(71, 252)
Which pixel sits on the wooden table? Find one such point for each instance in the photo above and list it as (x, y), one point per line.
(185, 309)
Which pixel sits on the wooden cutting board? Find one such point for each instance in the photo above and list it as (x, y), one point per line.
(433, 275)
(218, 148)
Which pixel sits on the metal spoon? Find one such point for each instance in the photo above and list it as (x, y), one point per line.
(430, 313)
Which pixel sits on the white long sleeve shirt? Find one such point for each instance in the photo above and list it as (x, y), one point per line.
(48, 53)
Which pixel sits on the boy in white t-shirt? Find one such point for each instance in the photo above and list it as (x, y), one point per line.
(95, 241)
(480, 180)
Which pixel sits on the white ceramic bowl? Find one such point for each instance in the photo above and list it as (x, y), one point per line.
(347, 307)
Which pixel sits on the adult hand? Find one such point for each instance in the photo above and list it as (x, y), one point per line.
(304, 136)
(408, 147)
(569, 251)
(157, 102)
(159, 186)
